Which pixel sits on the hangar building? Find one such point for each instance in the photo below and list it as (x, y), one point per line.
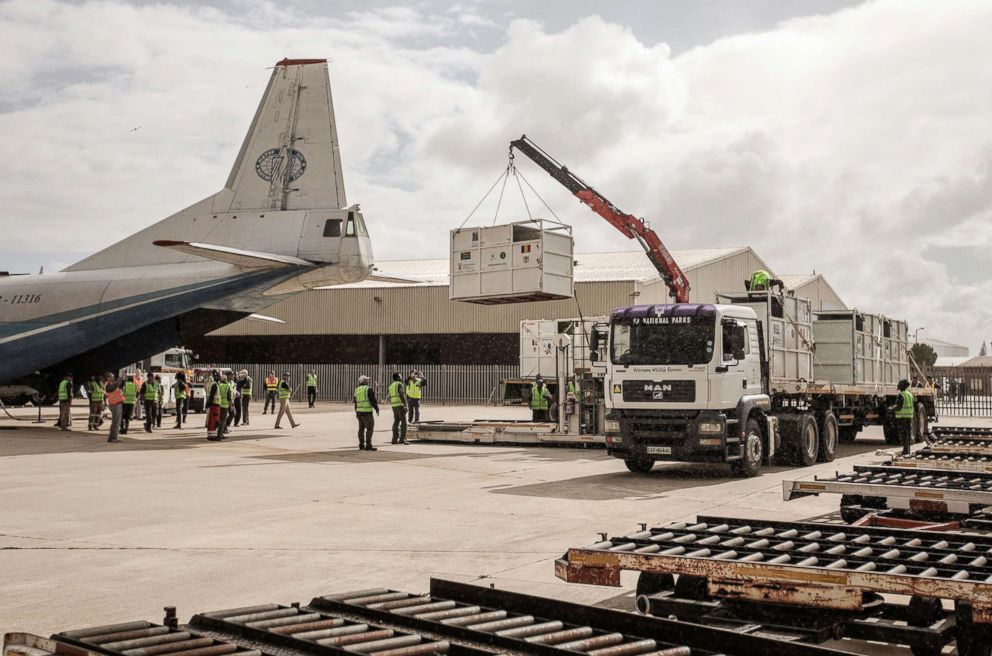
(384, 322)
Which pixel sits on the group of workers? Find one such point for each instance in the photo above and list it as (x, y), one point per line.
(404, 399)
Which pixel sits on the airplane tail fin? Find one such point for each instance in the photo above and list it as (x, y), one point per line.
(285, 185)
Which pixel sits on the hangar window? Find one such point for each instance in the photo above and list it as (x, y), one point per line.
(332, 228)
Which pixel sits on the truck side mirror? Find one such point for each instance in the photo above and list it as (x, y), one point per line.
(593, 342)
(739, 353)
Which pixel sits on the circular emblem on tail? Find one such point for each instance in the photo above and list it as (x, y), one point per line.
(271, 163)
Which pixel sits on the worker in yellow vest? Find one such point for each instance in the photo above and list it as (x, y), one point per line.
(181, 391)
(94, 390)
(311, 388)
(905, 407)
(130, 389)
(365, 405)
(540, 396)
(65, 402)
(285, 392)
(149, 397)
(225, 398)
(271, 390)
(244, 390)
(415, 384)
(397, 399)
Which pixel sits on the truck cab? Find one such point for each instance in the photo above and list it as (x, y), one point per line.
(685, 382)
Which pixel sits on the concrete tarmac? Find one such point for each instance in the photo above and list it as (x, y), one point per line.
(93, 533)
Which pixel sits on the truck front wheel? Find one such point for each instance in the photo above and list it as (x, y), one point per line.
(752, 452)
(638, 464)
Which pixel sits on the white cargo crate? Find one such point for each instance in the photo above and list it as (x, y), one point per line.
(538, 351)
(512, 263)
(856, 348)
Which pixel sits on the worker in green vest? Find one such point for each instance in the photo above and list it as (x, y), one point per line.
(539, 400)
(397, 399)
(415, 384)
(149, 396)
(94, 389)
(761, 280)
(365, 405)
(181, 391)
(65, 403)
(130, 399)
(311, 388)
(905, 408)
(244, 389)
(225, 393)
(285, 392)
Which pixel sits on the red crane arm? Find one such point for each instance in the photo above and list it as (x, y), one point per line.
(631, 226)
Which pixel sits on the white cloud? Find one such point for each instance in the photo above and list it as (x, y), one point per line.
(854, 143)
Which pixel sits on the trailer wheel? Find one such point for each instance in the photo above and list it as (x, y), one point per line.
(639, 465)
(809, 441)
(752, 452)
(920, 427)
(828, 438)
(847, 434)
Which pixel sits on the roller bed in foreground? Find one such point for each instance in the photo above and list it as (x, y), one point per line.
(453, 618)
(805, 581)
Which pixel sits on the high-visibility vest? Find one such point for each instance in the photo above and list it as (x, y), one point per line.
(180, 388)
(362, 403)
(284, 390)
(413, 388)
(395, 398)
(130, 392)
(537, 399)
(96, 391)
(271, 383)
(571, 387)
(760, 278)
(906, 411)
(311, 380)
(65, 391)
(116, 397)
(151, 391)
(225, 399)
(212, 393)
(246, 390)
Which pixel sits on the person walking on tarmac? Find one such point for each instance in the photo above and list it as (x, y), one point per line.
(271, 390)
(311, 388)
(397, 399)
(244, 386)
(235, 408)
(415, 384)
(139, 380)
(539, 398)
(225, 399)
(130, 389)
(115, 401)
(94, 390)
(285, 391)
(365, 404)
(160, 404)
(149, 396)
(65, 403)
(904, 409)
(181, 391)
(212, 406)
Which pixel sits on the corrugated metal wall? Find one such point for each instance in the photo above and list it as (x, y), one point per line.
(417, 310)
(820, 295)
(446, 384)
(726, 275)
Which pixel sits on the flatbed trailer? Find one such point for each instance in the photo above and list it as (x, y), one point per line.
(929, 493)
(500, 431)
(452, 618)
(927, 459)
(808, 574)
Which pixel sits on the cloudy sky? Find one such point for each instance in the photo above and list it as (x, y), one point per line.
(850, 138)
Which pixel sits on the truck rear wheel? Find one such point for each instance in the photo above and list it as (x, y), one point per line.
(639, 465)
(828, 438)
(808, 444)
(752, 451)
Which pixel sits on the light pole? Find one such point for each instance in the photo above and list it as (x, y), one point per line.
(916, 335)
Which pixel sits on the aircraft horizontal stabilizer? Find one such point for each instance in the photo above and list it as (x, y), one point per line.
(264, 317)
(236, 256)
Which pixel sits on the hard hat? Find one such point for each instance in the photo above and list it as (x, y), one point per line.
(363, 379)
(243, 372)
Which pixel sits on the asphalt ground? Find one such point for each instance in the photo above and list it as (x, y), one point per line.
(93, 533)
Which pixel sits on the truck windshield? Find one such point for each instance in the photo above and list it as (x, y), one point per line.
(663, 340)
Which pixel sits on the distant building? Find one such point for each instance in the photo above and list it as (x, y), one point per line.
(395, 323)
(946, 349)
(814, 287)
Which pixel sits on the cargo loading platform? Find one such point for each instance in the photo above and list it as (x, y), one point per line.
(502, 432)
(811, 581)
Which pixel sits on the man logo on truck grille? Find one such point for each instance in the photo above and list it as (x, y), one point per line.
(657, 391)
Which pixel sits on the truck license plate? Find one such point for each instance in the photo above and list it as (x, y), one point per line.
(659, 450)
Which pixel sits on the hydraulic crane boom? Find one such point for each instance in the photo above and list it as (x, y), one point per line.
(629, 225)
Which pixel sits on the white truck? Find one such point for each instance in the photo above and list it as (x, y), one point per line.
(740, 381)
(167, 364)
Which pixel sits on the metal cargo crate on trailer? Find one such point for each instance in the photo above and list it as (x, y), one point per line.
(856, 348)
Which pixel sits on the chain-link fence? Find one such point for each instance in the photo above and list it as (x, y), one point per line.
(446, 384)
(964, 391)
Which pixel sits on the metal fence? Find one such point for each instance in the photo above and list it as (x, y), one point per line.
(446, 384)
(964, 391)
